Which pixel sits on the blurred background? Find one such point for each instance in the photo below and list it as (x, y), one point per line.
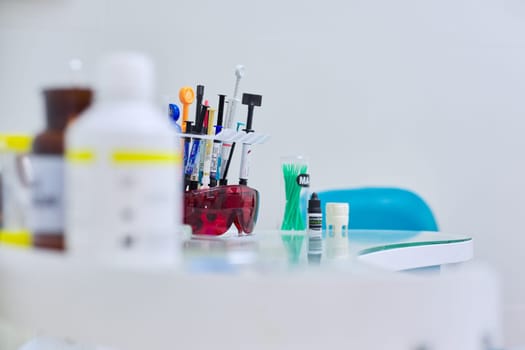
(421, 95)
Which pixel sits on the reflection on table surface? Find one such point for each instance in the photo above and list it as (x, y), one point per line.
(291, 248)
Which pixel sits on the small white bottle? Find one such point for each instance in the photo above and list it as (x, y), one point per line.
(123, 171)
(337, 230)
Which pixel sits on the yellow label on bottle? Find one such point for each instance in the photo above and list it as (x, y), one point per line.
(80, 156)
(145, 157)
(15, 143)
(21, 238)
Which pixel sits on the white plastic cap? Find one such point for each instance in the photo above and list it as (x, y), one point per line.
(125, 76)
(337, 209)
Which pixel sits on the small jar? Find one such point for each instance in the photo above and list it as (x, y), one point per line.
(337, 215)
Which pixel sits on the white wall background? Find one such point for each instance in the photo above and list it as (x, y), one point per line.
(426, 95)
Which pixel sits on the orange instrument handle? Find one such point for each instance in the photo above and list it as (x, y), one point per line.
(186, 97)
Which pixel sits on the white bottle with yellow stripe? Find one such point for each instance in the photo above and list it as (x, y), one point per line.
(123, 172)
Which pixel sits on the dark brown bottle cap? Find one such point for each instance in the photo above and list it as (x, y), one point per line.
(65, 104)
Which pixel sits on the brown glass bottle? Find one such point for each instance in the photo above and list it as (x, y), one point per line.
(62, 106)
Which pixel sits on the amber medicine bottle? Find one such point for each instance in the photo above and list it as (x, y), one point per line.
(62, 106)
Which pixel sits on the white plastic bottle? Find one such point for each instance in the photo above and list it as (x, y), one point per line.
(123, 171)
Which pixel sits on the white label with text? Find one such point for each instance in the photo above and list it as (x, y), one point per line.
(47, 194)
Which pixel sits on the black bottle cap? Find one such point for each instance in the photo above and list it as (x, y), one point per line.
(314, 204)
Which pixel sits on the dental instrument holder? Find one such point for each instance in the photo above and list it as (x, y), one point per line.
(213, 211)
(226, 135)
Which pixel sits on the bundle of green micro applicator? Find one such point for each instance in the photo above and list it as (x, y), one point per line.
(293, 219)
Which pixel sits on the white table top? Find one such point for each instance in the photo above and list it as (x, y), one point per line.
(277, 305)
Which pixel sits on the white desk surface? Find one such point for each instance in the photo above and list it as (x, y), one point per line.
(274, 305)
